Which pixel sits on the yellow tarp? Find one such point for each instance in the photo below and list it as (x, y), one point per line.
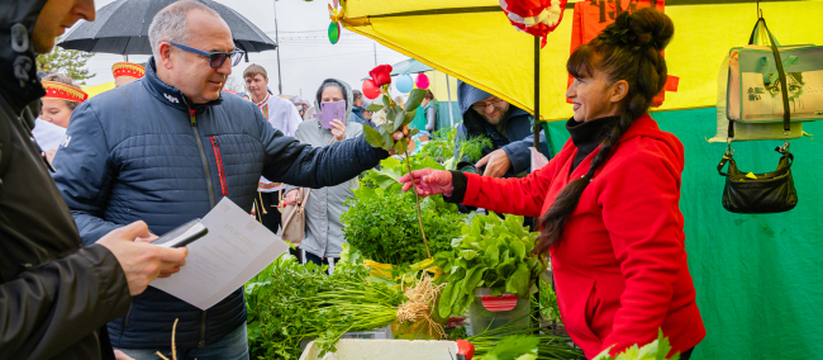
(481, 47)
(97, 89)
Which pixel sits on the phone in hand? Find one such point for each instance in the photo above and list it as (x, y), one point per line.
(182, 235)
(332, 110)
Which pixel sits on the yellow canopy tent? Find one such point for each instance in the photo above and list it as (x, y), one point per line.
(473, 41)
(97, 89)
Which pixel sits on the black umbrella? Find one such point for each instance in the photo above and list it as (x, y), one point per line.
(122, 27)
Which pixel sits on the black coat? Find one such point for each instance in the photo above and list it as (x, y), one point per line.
(54, 295)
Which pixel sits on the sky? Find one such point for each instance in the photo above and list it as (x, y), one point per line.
(306, 58)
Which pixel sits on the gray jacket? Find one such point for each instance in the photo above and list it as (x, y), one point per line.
(324, 231)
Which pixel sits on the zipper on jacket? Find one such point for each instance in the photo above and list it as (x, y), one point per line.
(220, 172)
(203, 157)
(202, 342)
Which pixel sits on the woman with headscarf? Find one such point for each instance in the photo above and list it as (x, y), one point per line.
(323, 238)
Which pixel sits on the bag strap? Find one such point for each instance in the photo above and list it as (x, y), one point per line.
(726, 158)
(778, 62)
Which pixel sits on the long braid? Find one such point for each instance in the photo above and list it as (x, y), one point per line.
(630, 50)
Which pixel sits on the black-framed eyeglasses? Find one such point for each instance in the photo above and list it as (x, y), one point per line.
(498, 103)
(216, 59)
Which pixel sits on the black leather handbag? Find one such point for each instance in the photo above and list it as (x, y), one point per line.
(749, 193)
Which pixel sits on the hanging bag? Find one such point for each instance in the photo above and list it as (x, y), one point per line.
(756, 89)
(771, 192)
(749, 193)
(294, 217)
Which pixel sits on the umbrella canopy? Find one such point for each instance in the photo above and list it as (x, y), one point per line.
(409, 66)
(474, 41)
(122, 27)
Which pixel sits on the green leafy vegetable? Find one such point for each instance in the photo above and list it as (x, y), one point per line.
(491, 253)
(381, 221)
(655, 350)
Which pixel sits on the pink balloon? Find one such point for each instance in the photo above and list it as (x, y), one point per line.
(422, 81)
(370, 90)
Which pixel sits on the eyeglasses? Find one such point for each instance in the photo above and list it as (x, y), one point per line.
(482, 107)
(216, 59)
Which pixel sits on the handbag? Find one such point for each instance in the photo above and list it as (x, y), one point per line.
(293, 217)
(758, 84)
(772, 192)
(749, 193)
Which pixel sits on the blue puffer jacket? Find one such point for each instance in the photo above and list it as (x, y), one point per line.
(518, 130)
(140, 152)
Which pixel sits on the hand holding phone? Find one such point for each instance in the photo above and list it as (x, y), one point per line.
(182, 235)
(332, 110)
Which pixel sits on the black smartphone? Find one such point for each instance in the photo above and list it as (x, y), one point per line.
(182, 235)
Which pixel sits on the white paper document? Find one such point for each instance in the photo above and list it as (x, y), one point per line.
(235, 249)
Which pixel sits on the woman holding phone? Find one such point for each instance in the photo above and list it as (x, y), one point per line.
(608, 202)
(323, 238)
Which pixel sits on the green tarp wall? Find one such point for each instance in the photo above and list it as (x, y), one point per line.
(759, 278)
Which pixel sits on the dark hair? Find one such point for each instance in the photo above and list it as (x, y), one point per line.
(629, 49)
(356, 95)
(429, 95)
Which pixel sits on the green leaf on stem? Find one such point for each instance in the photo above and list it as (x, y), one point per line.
(409, 117)
(400, 147)
(374, 107)
(413, 132)
(373, 137)
(415, 98)
(398, 120)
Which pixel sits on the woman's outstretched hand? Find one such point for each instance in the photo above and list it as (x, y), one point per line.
(429, 182)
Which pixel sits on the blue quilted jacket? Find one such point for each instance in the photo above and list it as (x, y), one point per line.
(141, 152)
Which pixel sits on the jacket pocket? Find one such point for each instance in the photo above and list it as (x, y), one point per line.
(224, 188)
(592, 305)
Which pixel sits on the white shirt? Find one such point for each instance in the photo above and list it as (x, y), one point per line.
(283, 116)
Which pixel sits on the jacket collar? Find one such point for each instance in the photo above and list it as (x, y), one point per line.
(170, 95)
(588, 135)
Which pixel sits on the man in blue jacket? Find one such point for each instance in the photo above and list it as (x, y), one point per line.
(165, 149)
(508, 127)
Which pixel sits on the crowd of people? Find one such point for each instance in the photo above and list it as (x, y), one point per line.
(166, 144)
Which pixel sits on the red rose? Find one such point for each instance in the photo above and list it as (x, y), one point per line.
(381, 75)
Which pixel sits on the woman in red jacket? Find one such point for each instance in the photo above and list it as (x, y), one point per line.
(608, 202)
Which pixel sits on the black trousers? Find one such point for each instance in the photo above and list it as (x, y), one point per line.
(267, 213)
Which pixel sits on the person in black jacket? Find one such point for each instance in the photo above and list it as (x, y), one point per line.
(55, 295)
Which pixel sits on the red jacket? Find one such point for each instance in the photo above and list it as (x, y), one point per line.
(620, 267)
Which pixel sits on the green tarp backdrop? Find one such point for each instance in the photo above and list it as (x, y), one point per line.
(759, 278)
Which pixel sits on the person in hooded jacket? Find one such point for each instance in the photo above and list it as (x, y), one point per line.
(610, 218)
(55, 295)
(166, 148)
(323, 238)
(508, 127)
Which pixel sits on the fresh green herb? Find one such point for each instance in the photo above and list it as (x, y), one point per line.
(471, 148)
(655, 350)
(514, 347)
(381, 224)
(551, 344)
(547, 303)
(491, 253)
(441, 146)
